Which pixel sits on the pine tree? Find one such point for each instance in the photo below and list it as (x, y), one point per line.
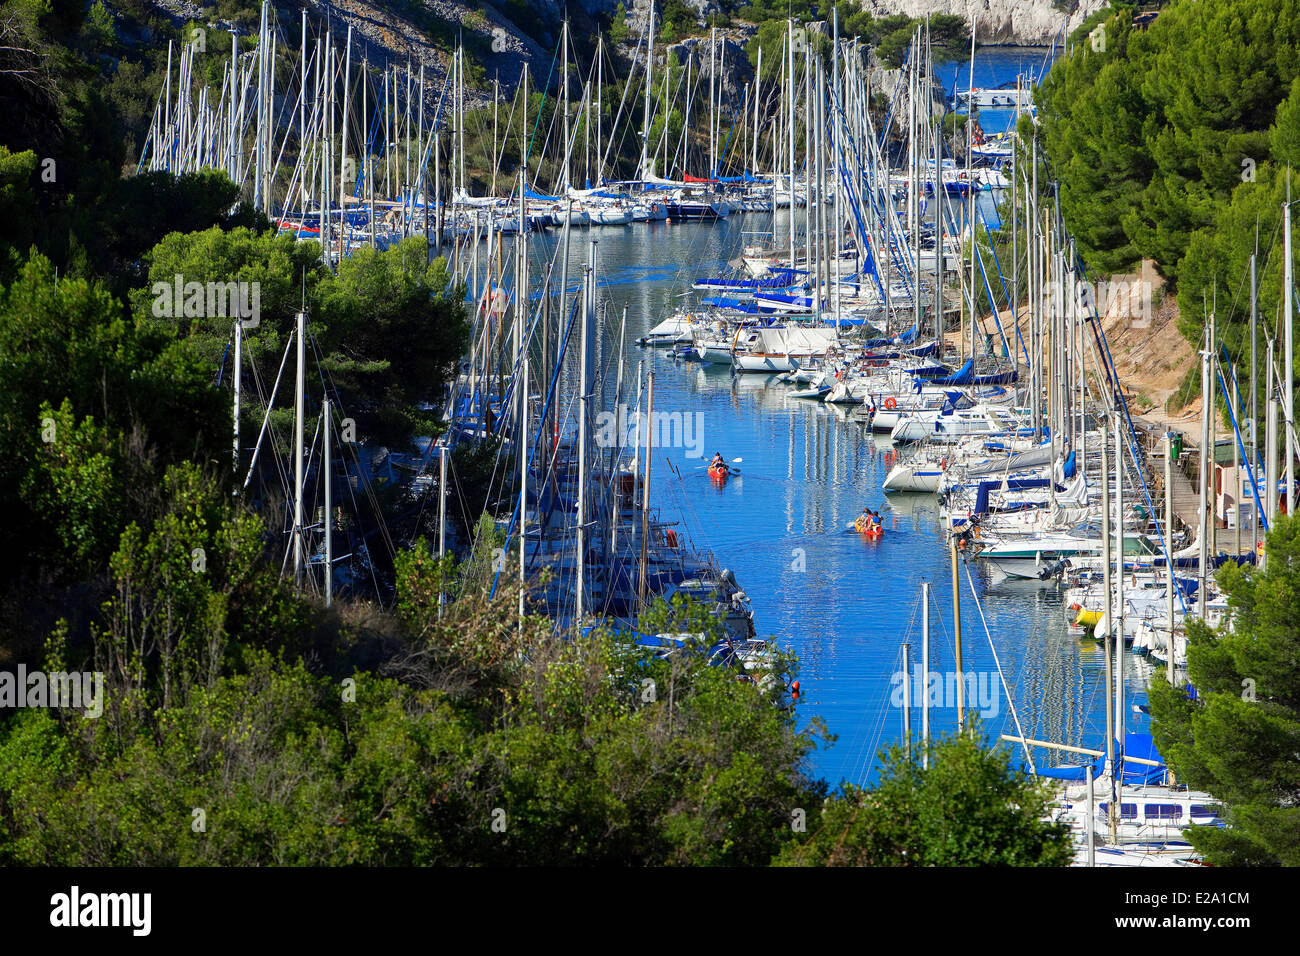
(1240, 738)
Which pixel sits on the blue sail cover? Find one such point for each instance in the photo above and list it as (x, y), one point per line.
(528, 191)
(1067, 470)
(1134, 774)
(1001, 378)
(986, 488)
(766, 282)
(735, 305)
(963, 376)
(966, 376)
(905, 338)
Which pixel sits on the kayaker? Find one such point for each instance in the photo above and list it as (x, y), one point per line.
(867, 521)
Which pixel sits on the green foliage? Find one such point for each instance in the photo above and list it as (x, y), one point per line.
(666, 131)
(969, 808)
(618, 30)
(1240, 738)
(388, 326)
(581, 752)
(396, 328)
(1284, 139)
(68, 354)
(98, 30)
(75, 487)
(676, 20)
(17, 202)
(1150, 131)
(953, 123)
(1093, 115)
(890, 36)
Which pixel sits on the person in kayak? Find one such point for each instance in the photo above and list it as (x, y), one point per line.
(718, 466)
(867, 521)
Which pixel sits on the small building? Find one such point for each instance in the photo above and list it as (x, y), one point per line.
(1234, 502)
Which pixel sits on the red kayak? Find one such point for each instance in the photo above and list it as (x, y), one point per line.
(868, 529)
(719, 472)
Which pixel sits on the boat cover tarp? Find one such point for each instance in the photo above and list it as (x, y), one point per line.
(986, 488)
(966, 376)
(529, 192)
(766, 282)
(963, 376)
(784, 341)
(1135, 745)
(736, 305)
(1001, 378)
(903, 338)
(1034, 458)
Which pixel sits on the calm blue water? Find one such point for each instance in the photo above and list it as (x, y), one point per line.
(993, 67)
(845, 605)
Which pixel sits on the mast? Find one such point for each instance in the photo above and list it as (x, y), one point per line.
(649, 72)
(564, 81)
(1109, 616)
(581, 547)
(914, 171)
(713, 76)
(1236, 469)
(956, 619)
(758, 75)
(823, 270)
(925, 674)
(615, 449)
(302, 108)
(645, 487)
(563, 322)
(790, 129)
(298, 408)
(343, 153)
(442, 521)
(971, 192)
(326, 428)
(837, 224)
(600, 71)
(939, 193)
(1169, 569)
(1120, 721)
(636, 445)
(907, 700)
(1270, 441)
(239, 343)
(1203, 533)
(522, 434)
(1288, 393)
(808, 163)
(1015, 225)
(1254, 384)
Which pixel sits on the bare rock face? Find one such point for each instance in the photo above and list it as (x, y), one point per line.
(729, 55)
(704, 8)
(1031, 22)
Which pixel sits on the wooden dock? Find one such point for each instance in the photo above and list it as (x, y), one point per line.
(1187, 502)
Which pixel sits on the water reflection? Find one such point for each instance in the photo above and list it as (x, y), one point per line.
(844, 603)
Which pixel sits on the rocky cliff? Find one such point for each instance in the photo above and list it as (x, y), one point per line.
(1028, 22)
